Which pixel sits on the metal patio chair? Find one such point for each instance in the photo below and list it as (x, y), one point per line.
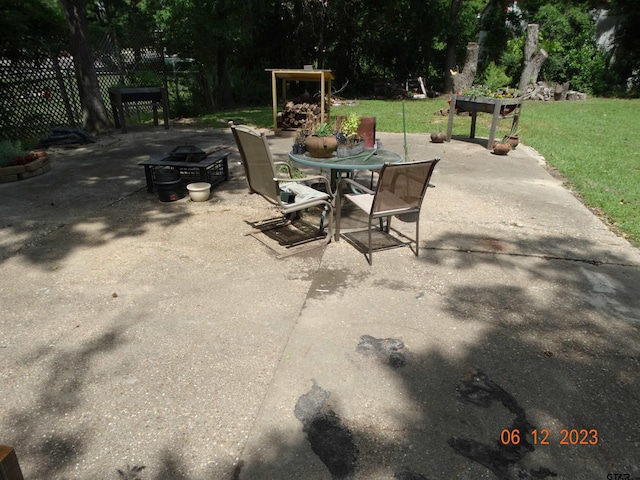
(289, 195)
(400, 191)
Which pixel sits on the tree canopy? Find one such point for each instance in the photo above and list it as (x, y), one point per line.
(231, 43)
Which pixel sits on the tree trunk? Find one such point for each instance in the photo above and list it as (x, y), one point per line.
(533, 59)
(226, 97)
(94, 112)
(465, 78)
(452, 41)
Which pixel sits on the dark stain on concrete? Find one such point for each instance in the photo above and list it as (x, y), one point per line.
(394, 285)
(503, 460)
(330, 440)
(406, 474)
(330, 281)
(131, 473)
(389, 350)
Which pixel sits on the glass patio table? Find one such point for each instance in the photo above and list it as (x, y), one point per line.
(371, 159)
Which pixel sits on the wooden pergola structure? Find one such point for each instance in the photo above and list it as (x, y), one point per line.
(303, 75)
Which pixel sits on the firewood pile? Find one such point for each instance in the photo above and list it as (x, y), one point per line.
(543, 91)
(299, 115)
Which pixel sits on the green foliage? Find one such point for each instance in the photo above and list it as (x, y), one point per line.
(323, 130)
(593, 126)
(145, 78)
(9, 151)
(494, 77)
(349, 126)
(511, 58)
(28, 28)
(627, 65)
(568, 34)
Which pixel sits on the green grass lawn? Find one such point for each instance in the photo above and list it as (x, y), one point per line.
(593, 144)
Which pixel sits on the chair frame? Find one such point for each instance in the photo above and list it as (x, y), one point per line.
(387, 169)
(270, 189)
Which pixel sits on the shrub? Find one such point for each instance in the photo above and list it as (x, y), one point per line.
(494, 77)
(9, 151)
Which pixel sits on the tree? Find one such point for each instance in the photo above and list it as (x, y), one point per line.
(29, 28)
(627, 42)
(94, 112)
(452, 44)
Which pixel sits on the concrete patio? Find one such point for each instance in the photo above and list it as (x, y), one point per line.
(138, 333)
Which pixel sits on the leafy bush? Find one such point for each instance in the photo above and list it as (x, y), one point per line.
(568, 36)
(9, 151)
(494, 77)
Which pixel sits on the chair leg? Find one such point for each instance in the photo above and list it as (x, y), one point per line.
(338, 214)
(418, 235)
(323, 215)
(369, 255)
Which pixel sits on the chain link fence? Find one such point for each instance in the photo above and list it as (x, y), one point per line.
(39, 94)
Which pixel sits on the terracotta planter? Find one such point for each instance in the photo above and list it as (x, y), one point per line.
(512, 140)
(501, 148)
(39, 153)
(321, 147)
(438, 137)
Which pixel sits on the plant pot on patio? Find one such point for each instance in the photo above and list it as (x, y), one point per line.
(501, 148)
(168, 184)
(321, 147)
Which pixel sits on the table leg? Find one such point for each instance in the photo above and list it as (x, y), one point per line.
(474, 117)
(494, 124)
(202, 174)
(452, 114)
(149, 178)
(165, 108)
(225, 167)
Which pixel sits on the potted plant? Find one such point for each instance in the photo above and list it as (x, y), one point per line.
(438, 137)
(298, 143)
(349, 142)
(512, 138)
(501, 147)
(322, 143)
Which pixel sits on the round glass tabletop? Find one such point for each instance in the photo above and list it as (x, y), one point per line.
(368, 160)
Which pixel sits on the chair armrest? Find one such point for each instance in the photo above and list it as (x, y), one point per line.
(359, 186)
(283, 164)
(320, 178)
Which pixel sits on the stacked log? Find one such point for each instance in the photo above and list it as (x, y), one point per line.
(299, 115)
(544, 92)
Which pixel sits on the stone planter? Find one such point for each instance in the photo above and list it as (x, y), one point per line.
(350, 150)
(34, 168)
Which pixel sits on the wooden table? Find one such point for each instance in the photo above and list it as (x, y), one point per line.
(301, 75)
(499, 107)
(155, 95)
(213, 169)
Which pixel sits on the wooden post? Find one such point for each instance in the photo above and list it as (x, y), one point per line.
(274, 96)
(9, 468)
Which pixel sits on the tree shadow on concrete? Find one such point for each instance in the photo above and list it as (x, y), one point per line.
(556, 350)
(43, 432)
(98, 187)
